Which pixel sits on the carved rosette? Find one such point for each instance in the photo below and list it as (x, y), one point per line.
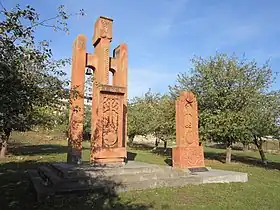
(110, 120)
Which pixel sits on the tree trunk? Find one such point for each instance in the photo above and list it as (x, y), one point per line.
(4, 146)
(228, 154)
(259, 146)
(165, 146)
(245, 147)
(264, 160)
(156, 144)
(130, 139)
(4, 149)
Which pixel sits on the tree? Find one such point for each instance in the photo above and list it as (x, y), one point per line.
(152, 114)
(225, 87)
(263, 120)
(163, 126)
(30, 79)
(140, 115)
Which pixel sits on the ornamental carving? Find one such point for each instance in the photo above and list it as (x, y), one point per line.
(106, 64)
(188, 153)
(108, 109)
(193, 157)
(188, 122)
(104, 28)
(110, 121)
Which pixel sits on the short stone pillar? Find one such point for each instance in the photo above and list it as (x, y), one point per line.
(188, 153)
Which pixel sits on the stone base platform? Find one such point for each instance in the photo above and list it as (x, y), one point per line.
(59, 178)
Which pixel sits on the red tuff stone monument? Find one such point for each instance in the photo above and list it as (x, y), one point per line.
(188, 153)
(109, 102)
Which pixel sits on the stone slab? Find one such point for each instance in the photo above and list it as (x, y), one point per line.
(222, 176)
(132, 176)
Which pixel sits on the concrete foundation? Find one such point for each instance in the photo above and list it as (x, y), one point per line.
(59, 178)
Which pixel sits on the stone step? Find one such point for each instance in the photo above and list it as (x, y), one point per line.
(131, 177)
(88, 175)
(132, 181)
(65, 170)
(126, 172)
(42, 191)
(48, 175)
(59, 171)
(157, 183)
(106, 185)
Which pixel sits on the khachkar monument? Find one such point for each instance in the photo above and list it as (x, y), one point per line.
(188, 153)
(109, 102)
(108, 132)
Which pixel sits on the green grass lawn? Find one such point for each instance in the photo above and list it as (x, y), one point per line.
(30, 149)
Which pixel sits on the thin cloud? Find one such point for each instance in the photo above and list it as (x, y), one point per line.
(141, 79)
(172, 10)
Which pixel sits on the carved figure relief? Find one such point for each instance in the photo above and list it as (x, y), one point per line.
(110, 121)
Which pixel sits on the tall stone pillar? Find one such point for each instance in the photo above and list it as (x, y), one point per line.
(188, 153)
(120, 60)
(108, 119)
(77, 100)
(101, 42)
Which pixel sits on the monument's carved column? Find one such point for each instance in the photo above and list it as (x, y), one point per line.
(188, 153)
(107, 144)
(120, 56)
(101, 41)
(76, 114)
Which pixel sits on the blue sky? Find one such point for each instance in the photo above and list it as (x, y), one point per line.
(163, 35)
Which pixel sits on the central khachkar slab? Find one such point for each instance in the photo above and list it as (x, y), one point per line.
(108, 145)
(188, 153)
(109, 102)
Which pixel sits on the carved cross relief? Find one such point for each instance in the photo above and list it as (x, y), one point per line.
(110, 119)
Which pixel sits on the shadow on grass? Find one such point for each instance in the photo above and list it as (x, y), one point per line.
(17, 193)
(219, 156)
(41, 149)
(223, 146)
(242, 159)
(157, 151)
